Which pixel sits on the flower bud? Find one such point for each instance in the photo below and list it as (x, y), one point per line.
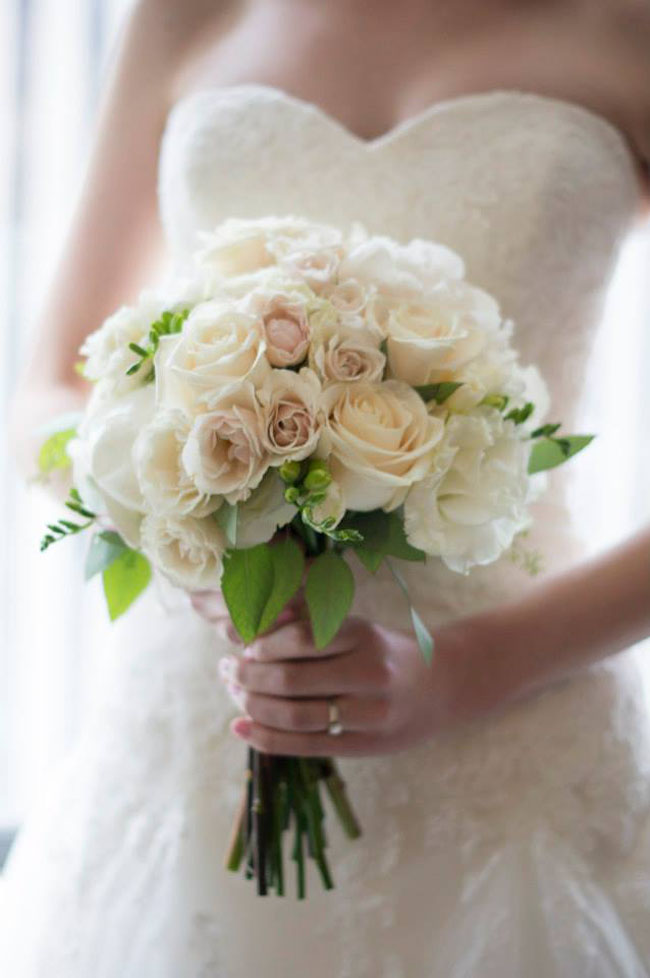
(318, 475)
(290, 472)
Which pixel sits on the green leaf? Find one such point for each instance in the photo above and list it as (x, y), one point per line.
(519, 415)
(545, 431)
(247, 582)
(547, 453)
(288, 568)
(422, 633)
(384, 534)
(371, 559)
(438, 392)
(124, 580)
(104, 548)
(53, 453)
(226, 517)
(329, 590)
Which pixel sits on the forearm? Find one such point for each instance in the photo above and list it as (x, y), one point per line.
(575, 618)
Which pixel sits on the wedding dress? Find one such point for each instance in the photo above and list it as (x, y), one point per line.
(515, 846)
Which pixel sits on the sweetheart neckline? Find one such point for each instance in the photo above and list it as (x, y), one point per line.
(417, 120)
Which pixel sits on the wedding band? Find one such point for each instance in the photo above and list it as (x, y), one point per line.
(334, 727)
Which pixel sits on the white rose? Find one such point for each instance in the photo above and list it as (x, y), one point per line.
(157, 455)
(468, 509)
(189, 551)
(103, 466)
(220, 344)
(264, 512)
(379, 440)
(241, 246)
(435, 335)
(225, 452)
(401, 270)
(108, 357)
(349, 299)
(292, 416)
(316, 266)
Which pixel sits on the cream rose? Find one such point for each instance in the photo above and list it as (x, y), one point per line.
(225, 452)
(379, 439)
(435, 335)
(471, 504)
(220, 344)
(189, 551)
(165, 484)
(342, 355)
(292, 417)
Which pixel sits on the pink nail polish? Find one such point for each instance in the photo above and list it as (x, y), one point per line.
(242, 726)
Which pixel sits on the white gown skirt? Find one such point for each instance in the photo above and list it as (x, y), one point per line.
(517, 846)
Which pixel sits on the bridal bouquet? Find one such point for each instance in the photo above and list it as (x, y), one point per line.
(305, 396)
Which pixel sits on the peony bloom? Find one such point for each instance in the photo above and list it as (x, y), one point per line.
(401, 271)
(189, 551)
(102, 459)
(379, 439)
(471, 504)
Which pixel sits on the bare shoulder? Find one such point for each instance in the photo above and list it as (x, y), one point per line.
(627, 30)
(167, 32)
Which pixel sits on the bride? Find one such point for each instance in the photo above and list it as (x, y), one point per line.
(505, 793)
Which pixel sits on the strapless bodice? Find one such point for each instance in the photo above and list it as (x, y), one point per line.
(535, 193)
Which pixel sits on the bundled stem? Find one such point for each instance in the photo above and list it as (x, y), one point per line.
(282, 794)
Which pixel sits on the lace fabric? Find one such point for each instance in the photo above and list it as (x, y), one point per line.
(518, 845)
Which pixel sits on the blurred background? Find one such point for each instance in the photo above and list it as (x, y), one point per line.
(53, 56)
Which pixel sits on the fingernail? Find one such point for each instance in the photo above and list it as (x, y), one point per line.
(226, 667)
(241, 726)
(250, 652)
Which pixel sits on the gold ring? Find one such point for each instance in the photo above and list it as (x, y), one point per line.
(334, 726)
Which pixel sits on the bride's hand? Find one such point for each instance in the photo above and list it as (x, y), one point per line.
(388, 698)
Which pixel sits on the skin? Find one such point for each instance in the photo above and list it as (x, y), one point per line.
(593, 52)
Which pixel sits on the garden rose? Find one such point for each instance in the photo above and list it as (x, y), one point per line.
(188, 551)
(225, 453)
(165, 484)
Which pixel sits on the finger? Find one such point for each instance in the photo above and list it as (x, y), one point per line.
(210, 605)
(329, 676)
(295, 641)
(312, 715)
(270, 741)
